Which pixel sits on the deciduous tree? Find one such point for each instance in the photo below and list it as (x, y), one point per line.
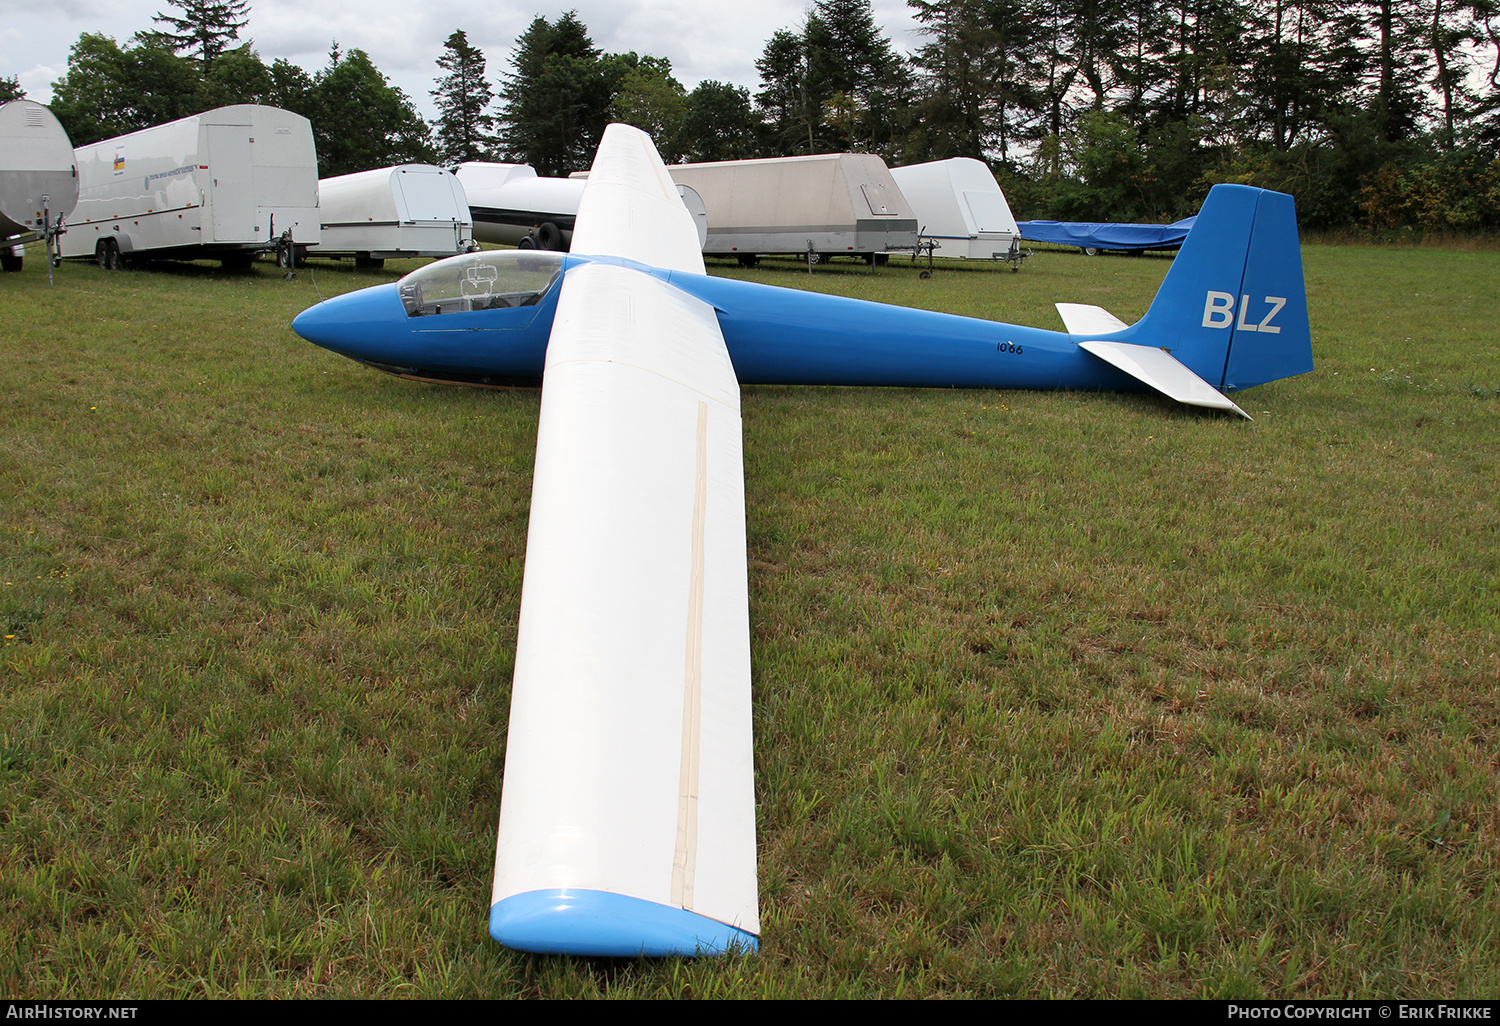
(110, 90)
(360, 121)
(719, 124)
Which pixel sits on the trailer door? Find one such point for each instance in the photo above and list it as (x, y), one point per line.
(231, 168)
(428, 196)
(990, 212)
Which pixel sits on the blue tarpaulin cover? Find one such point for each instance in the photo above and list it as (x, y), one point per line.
(1094, 235)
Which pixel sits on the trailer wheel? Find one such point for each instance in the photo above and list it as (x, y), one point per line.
(748, 260)
(10, 262)
(549, 236)
(527, 243)
(373, 263)
(108, 255)
(1090, 251)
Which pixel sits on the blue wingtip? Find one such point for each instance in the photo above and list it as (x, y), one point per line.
(595, 923)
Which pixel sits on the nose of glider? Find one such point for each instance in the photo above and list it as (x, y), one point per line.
(362, 325)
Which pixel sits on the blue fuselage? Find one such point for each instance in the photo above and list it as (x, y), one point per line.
(774, 336)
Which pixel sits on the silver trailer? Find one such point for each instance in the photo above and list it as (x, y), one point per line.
(961, 208)
(225, 184)
(835, 204)
(38, 177)
(511, 206)
(410, 210)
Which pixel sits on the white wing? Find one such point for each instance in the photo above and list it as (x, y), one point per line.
(631, 208)
(627, 823)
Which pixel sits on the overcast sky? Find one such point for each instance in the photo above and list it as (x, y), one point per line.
(702, 38)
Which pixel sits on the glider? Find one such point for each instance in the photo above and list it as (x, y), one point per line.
(627, 821)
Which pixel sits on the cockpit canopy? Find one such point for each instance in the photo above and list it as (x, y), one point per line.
(491, 280)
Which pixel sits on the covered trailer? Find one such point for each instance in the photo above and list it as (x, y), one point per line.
(38, 177)
(410, 210)
(833, 204)
(961, 208)
(1095, 237)
(226, 184)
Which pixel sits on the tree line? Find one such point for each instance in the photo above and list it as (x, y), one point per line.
(193, 64)
(1376, 113)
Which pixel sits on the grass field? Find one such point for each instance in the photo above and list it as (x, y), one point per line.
(1056, 694)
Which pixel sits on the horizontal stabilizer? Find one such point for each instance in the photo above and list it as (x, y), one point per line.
(1082, 319)
(1159, 369)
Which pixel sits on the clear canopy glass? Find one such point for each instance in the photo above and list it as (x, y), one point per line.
(490, 280)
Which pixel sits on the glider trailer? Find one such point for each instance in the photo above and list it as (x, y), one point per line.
(410, 210)
(38, 179)
(510, 205)
(823, 206)
(226, 184)
(961, 209)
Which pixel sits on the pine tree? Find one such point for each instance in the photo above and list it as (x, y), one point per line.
(10, 89)
(557, 98)
(787, 100)
(833, 86)
(465, 128)
(206, 28)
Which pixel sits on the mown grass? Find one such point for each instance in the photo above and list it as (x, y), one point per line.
(1055, 694)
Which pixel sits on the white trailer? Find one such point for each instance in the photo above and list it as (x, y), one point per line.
(38, 177)
(511, 206)
(833, 204)
(410, 210)
(225, 185)
(961, 208)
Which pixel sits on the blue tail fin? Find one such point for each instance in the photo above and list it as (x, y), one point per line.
(1233, 307)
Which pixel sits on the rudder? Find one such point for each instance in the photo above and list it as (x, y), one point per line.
(1272, 336)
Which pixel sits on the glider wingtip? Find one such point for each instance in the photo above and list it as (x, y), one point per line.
(601, 923)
